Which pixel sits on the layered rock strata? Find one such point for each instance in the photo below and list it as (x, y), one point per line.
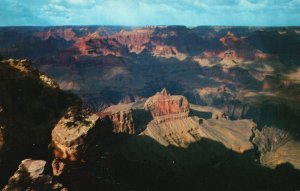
(173, 137)
(165, 107)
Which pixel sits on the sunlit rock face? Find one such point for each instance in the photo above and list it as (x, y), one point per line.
(71, 137)
(234, 135)
(25, 67)
(165, 107)
(287, 153)
(277, 147)
(31, 176)
(172, 124)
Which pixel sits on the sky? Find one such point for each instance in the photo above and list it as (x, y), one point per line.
(150, 12)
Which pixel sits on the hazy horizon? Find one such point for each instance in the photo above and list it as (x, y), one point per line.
(141, 26)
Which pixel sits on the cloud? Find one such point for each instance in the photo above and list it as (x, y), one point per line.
(80, 1)
(150, 12)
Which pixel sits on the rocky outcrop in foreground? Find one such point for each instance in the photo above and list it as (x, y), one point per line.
(31, 103)
(71, 138)
(31, 176)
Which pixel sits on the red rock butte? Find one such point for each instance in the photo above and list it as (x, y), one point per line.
(164, 107)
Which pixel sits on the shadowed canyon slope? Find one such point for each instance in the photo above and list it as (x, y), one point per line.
(31, 104)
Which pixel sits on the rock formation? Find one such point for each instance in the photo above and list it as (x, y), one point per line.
(71, 138)
(164, 107)
(173, 130)
(234, 135)
(135, 40)
(277, 147)
(287, 153)
(121, 116)
(229, 59)
(230, 39)
(168, 52)
(172, 125)
(31, 176)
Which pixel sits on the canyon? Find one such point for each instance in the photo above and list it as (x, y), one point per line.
(149, 108)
